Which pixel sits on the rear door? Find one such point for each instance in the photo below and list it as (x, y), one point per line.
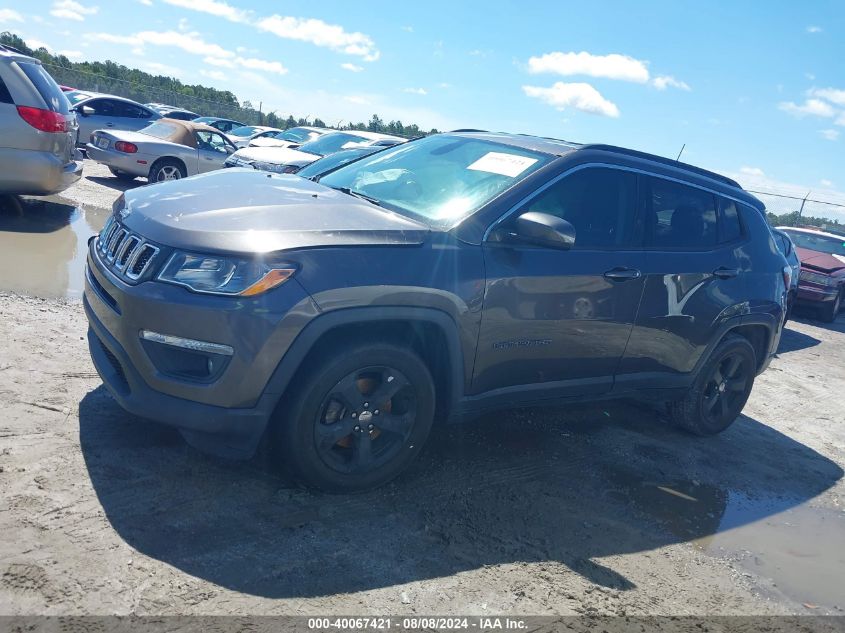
(694, 270)
(133, 117)
(560, 319)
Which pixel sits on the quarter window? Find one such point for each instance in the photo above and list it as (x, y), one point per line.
(599, 203)
(729, 226)
(5, 96)
(678, 216)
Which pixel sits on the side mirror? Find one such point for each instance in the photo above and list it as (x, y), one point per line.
(86, 110)
(539, 229)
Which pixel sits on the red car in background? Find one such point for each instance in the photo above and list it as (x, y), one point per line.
(821, 283)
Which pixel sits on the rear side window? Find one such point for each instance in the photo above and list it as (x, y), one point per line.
(679, 216)
(46, 87)
(600, 203)
(5, 97)
(783, 243)
(730, 229)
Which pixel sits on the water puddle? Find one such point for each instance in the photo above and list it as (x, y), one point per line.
(43, 245)
(800, 548)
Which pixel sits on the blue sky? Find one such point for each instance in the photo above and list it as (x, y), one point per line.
(756, 91)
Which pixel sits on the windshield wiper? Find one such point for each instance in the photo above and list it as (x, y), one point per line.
(358, 194)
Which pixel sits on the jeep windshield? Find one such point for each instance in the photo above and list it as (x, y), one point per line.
(439, 179)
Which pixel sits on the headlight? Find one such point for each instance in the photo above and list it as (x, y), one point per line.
(221, 275)
(275, 168)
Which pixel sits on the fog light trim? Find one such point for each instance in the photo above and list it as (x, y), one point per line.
(187, 343)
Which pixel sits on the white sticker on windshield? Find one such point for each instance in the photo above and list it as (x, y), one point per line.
(503, 164)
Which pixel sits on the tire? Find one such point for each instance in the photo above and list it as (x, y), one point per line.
(720, 390)
(121, 175)
(830, 311)
(165, 169)
(329, 435)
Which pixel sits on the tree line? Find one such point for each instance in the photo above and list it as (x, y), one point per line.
(793, 218)
(113, 78)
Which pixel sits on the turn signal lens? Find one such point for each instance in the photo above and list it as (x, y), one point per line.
(270, 280)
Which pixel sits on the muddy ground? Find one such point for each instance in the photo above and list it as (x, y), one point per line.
(591, 509)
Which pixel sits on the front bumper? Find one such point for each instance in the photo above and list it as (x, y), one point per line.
(228, 413)
(816, 294)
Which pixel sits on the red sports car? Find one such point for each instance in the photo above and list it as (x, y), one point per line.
(822, 280)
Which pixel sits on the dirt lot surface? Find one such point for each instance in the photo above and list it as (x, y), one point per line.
(600, 509)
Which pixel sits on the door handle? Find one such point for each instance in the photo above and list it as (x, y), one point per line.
(622, 274)
(725, 273)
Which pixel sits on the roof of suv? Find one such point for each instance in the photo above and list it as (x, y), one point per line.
(13, 54)
(558, 147)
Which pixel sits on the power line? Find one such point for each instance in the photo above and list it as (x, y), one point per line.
(783, 195)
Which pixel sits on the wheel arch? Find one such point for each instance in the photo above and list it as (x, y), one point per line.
(433, 334)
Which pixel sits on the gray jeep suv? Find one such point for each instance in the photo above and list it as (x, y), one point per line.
(37, 129)
(431, 281)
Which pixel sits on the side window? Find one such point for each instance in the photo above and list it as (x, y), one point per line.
(224, 126)
(783, 243)
(127, 110)
(211, 142)
(600, 203)
(729, 226)
(679, 216)
(103, 107)
(5, 96)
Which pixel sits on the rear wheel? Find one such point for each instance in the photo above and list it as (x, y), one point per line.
(166, 169)
(830, 311)
(357, 418)
(122, 175)
(720, 390)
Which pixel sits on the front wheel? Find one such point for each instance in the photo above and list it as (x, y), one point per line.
(720, 390)
(357, 418)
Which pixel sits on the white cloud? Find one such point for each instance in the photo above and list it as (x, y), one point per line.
(213, 7)
(752, 171)
(580, 96)
(183, 25)
(352, 67)
(829, 135)
(813, 107)
(147, 3)
(261, 64)
(214, 54)
(444, 85)
(357, 99)
(217, 75)
(71, 10)
(613, 66)
(72, 55)
(814, 29)
(825, 183)
(834, 95)
(321, 34)
(409, 29)
(840, 120)
(810, 76)
(161, 69)
(661, 82)
(415, 91)
(36, 44)
(7, 15)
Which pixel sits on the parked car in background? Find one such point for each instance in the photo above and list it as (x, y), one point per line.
(172, 112)
(108, 112)
(456, 274)
(822, 280)
(290, 137)
(787, 249)
(168, 149)
(67, 88)
(241, 136)
(286, 160)
(224, 125)
(330, 163)
(37, 129)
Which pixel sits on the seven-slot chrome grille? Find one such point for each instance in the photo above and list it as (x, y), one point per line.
(124, 253)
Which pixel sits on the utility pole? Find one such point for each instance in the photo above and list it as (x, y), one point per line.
(803, 202)
(260, 116)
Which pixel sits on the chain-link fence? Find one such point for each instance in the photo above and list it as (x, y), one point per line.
(143, 93)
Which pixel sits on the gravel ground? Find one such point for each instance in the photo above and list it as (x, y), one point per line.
(599, 509)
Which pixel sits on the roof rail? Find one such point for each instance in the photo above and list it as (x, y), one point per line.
(665, 161)
(467, 130)
(6, 47)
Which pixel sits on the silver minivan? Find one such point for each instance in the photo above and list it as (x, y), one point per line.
(37, 129)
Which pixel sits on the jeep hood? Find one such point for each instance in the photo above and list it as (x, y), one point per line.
(247, 211)
(821, 261)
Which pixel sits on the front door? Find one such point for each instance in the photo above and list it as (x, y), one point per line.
(212, 151)
(563, 317)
